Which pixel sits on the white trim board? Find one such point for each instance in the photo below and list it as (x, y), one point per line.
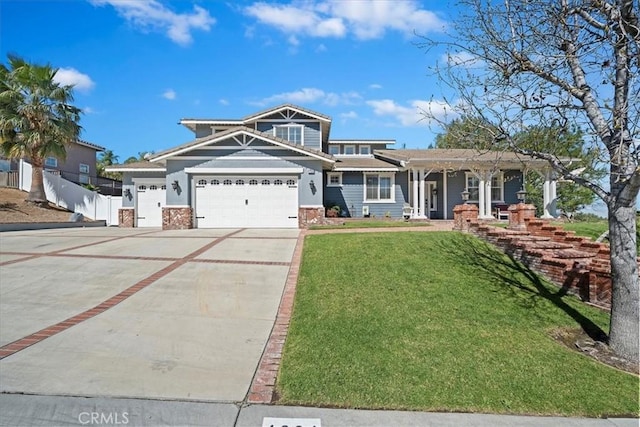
(243, 171)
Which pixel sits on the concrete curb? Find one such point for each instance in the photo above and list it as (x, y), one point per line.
(20, 226)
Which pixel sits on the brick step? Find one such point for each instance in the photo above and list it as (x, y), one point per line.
(572, 254)
(549, 245)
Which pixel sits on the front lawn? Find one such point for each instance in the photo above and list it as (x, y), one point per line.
(439, 322)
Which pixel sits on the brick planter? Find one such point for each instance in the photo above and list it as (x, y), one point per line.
(518, 214)
(463, 215)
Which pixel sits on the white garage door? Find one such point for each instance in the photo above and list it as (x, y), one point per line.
(151, 199)
(246, 201)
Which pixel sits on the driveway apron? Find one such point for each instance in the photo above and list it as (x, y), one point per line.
(138, 313)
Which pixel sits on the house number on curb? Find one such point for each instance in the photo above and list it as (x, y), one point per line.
(290, 422)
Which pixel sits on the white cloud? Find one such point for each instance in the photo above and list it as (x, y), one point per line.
(88, 110)
(412, 115)
(310, 96)
(223, 102)
(350, 115)
(375, 86)
(321, 48)
(153, 15)
(463, 59)
(169, 94)
(367, 19)
(73, 77)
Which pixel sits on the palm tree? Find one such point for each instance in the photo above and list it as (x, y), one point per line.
(36, 117)
(107, 158)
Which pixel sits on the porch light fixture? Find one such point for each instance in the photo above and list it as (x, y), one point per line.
(521, 195)
(465, 196)
(434, 192)
(175, 185)
(127, 194)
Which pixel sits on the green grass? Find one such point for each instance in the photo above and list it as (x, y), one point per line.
(371, 223)
(591, 229)
(439, 322)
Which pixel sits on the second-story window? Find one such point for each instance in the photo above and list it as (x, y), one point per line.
(349, 150)
(51, 162)
(334, 150)
(291, 133)
(365, 150)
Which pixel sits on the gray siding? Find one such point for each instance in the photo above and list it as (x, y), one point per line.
(312, 135)
(350, 197)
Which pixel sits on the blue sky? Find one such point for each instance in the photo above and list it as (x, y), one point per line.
(139, 66)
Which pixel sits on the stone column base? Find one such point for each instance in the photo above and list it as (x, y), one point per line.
(462, 214)
(310, 216)
(126, 217)
(177, 218)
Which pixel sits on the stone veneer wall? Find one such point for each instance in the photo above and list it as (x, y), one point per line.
(126, 218)
(314, 216)
(177, 218)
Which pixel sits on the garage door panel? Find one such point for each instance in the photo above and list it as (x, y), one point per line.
(150, 201)
(247, 201)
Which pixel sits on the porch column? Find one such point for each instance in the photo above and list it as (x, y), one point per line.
(414, 203)
(553, 197)
(481, 199)
(546, 195)
(487, 195)
(422, 194)
(445, 195)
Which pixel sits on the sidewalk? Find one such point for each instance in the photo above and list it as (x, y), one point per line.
(29, 410)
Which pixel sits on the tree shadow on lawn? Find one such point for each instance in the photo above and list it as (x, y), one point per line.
(515, 277)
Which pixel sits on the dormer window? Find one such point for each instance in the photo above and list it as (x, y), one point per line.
(365, 150)
(334, 150)
(349, 150)
(291, 133)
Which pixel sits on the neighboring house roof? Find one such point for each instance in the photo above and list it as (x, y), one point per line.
(143, 166)
(230, 133)
(363, 141)
(90, 145)
(345, 164)
(458, 158)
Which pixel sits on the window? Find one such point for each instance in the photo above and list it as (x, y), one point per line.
(291, 133)
(239, 181)
(51, 162)
(83, 178)
(84, 168)
(497, 187)
(153, 187)
(253, 182)
(227, 182)
(215, 182)
(349, 150)
(142, 187)
(334, 150)
(334, 179)
(277, 182)
(266, 182)
(163, 187)
(365, 150)
(379, 187)
(202, 182)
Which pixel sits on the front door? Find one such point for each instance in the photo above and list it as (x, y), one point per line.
(430, 199)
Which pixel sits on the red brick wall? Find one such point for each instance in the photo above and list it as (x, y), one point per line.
(177, 218)
(126, 217)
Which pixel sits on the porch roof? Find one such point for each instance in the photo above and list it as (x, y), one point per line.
(345, 164)
(460, 159)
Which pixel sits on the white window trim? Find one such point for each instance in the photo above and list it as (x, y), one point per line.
(291, 125)
(80, 166)
(379, 175)
(344, 150)
(54, 161)
(330, 174)
(500, 176)
(368, 147)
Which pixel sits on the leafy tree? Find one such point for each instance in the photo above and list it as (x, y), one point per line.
(559, 64)
(466, 132)
(37, 119)
(142, 156)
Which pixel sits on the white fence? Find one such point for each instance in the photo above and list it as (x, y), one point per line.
(73, 197)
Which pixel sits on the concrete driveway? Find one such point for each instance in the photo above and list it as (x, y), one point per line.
(138, 313)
